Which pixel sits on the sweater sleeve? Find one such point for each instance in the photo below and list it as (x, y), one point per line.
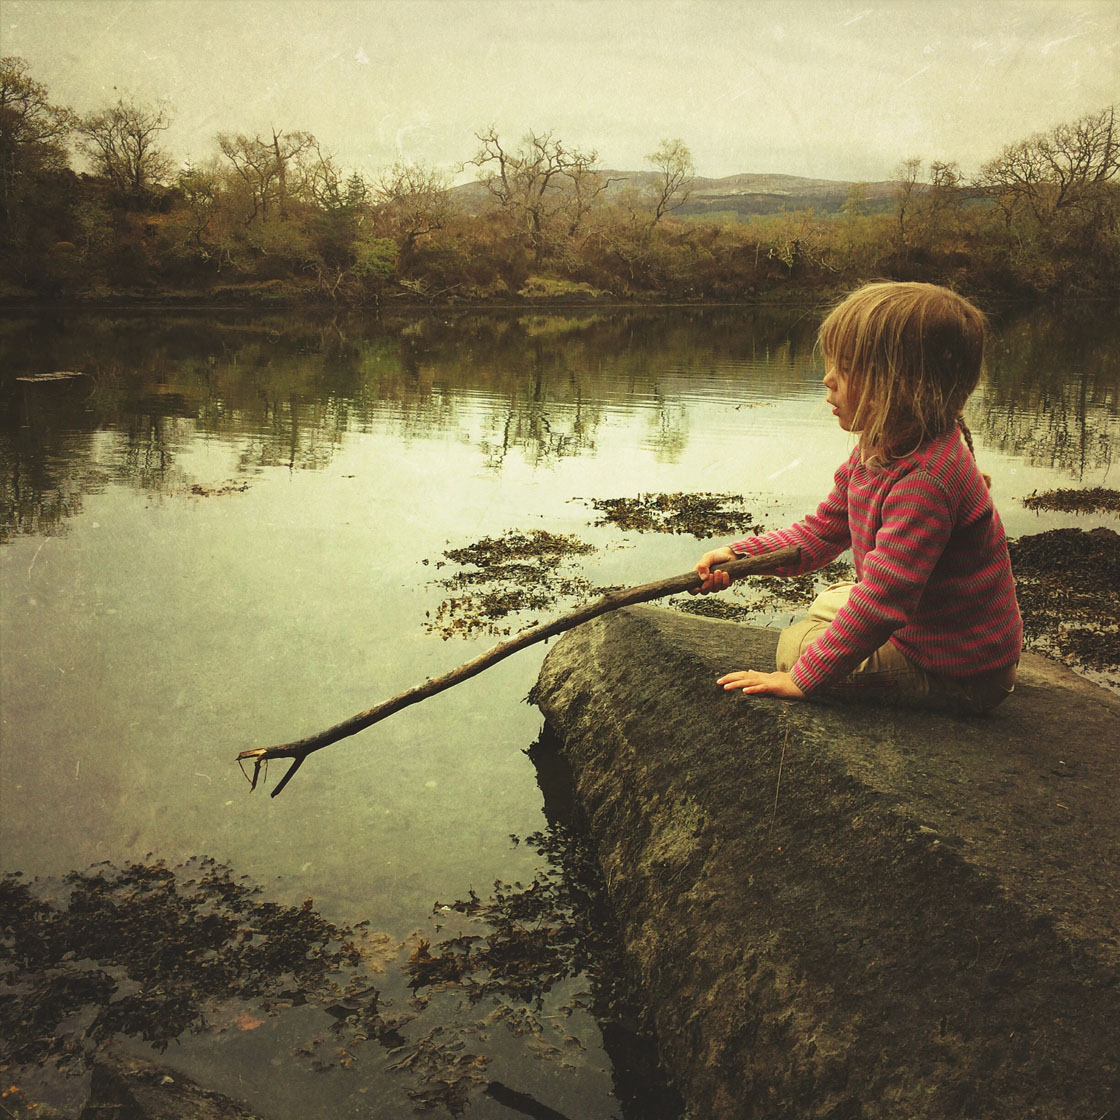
(916, 521)
(821, 536)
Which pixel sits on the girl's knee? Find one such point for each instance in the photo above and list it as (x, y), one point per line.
(828, 604)
(794, 640)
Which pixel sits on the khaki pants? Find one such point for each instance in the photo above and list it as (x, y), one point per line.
(887, 676)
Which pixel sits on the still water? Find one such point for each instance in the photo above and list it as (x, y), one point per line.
(227, 533)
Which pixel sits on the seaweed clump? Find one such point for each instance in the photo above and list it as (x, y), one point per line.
(538, 954)
(500, 577)
(555, 927)
(1092, 499)
(699, 515)
(151, 952)
(1068, 584)
(197, 490)
(148, 952)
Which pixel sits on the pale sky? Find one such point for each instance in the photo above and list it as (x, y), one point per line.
(824, 88)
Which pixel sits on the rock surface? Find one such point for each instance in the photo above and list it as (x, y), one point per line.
(126, 1087)
(841, 912)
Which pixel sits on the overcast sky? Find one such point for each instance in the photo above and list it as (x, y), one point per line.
(823, 88)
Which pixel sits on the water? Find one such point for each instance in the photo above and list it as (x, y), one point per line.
(226, 533)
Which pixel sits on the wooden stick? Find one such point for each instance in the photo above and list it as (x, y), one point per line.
(627, 597)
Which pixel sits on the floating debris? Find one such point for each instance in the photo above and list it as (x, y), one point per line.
(514, 548)
(449, 1074)
(507, 576)
(14, 1102)
(699, 515)
(197, 490)
(59, 375)
(544, 954)
(1093, 499)
(533, 936)
(152, 952)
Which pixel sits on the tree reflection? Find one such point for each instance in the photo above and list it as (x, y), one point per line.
(39, 489)
(45, 468)
(285, 391)
(146, 457)
(1052, 390)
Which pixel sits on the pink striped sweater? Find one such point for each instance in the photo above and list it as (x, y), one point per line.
(932, 569)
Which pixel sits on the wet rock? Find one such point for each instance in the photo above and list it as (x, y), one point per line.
(839, 911)
(123, 1087)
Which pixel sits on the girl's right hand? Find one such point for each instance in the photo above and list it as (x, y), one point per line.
(713, 581)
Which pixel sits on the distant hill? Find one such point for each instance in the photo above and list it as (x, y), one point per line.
(741, 196)
(746, 195)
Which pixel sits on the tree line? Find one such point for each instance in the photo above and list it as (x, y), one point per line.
(275, 217)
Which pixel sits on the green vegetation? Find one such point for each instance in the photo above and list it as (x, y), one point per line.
(273, 218)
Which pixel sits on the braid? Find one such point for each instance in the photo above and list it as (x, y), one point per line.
(968, 443)
(967, 435)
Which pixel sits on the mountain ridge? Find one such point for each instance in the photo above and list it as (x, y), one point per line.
(742, 195)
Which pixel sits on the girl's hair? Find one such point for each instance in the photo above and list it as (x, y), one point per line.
(911, 354)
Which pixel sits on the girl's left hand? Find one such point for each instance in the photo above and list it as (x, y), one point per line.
(762, 684)
(713, 581)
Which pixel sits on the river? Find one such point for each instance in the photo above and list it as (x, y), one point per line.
(230, 530)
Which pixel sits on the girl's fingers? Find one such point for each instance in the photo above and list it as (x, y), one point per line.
(755, 683)
(738, 679)
(713, 581)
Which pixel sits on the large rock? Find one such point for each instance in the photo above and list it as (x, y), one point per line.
(126, 1087)
(850, 912)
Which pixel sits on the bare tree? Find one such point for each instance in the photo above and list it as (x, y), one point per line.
(934, 205)
(906, 197)
(546, 187)
(797, 239)
(945, 184)
(273, 171)
(675, 173)
(415, 201)
(122, 143)
(1062, 182)
(200, 190)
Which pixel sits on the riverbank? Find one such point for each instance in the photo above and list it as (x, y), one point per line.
(254, 298)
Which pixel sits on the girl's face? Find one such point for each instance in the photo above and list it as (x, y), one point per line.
(837, 385)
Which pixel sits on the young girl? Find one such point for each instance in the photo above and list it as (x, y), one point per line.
(932, 618)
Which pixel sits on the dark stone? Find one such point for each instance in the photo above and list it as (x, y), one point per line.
(124, 1087)
(919, 920)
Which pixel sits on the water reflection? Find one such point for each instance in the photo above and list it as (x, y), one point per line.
(1052, 392)
(285, 390)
